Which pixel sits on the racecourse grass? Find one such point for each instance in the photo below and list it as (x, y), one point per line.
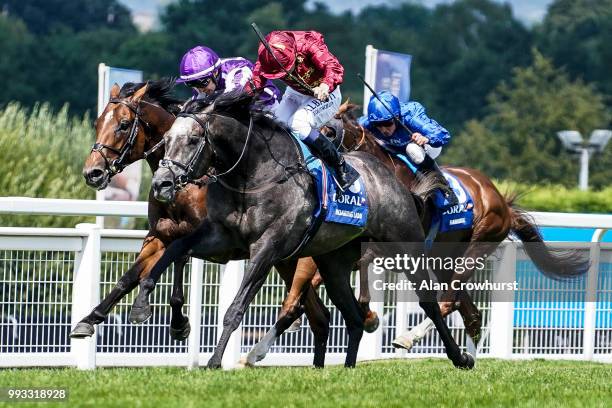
(407, 383)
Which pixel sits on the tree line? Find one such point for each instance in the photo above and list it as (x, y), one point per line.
(503, 89)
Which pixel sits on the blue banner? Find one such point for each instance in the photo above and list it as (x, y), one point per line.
(393, 73)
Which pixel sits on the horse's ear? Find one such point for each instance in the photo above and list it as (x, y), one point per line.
(140, 93)
(343, 108)
(114, 93)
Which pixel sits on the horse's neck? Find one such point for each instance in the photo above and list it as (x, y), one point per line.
(371, 146)
(264, 159)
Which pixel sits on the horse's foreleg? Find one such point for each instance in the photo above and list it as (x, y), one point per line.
(336, 273)
(262, 260)
(152, 249)
(177, 250)
(427, 301)
(301, 297)
(179, 323)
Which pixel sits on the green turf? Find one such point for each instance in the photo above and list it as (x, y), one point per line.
(430, 383)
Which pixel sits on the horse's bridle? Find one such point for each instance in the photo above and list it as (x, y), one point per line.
(117, 165)
(358, 145)
(188, 169)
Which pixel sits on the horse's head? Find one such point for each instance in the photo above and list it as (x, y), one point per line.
(128, 126)
(187, 151)
(206, 130)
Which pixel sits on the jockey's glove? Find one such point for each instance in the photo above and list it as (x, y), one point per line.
(321, 92)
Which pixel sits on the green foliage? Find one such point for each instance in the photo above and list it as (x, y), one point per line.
(558, 198)
(462, 52)
(44, 16)
(449, 44)
(41, 155)
(517, 139)
(467, 48)
(577, 35)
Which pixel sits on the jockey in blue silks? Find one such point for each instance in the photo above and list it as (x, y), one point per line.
(421, 148)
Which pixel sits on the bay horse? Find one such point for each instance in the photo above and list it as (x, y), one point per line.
(261, 206)
(132, 123)
(495, 217)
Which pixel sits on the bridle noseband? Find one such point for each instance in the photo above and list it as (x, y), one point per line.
(117, 165)
(188, 169)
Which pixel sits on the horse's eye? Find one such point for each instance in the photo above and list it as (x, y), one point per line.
(192, 140)
(124, 124)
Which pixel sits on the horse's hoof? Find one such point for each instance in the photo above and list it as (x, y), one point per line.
(402, 342)
(213, 364)
(467, 362)
(244, 363)
(82, 330)
(371, 322)
(296, 326)
(140, 314)
(181, 333)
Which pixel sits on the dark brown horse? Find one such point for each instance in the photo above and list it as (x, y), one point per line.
(133, 122)
(495, 217)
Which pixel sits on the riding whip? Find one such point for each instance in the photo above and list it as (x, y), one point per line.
(385, 105)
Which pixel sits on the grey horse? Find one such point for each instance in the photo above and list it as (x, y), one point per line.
(262, 206)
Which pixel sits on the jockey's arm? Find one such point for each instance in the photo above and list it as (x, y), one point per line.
(418, 121)
(324, 60)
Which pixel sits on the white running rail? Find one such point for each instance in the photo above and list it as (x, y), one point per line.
(52, 277)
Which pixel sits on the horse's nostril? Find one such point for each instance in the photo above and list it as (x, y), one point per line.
(162, 185)
(95, 174)
(165, 184)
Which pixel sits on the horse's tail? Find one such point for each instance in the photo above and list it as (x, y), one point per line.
(554, 263)
(426, 187)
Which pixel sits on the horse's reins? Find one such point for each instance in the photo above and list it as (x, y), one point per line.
(189, 168)
(358, 145)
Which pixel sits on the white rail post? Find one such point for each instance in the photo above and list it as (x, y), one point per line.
(590, 301)
(231, 277)
(86, 294)
(502, 310)
(195, 311)
(403, 305)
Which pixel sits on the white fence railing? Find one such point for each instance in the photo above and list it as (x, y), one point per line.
(50, 278)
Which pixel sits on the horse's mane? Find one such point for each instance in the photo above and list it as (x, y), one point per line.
(159, 92)
(238, 105)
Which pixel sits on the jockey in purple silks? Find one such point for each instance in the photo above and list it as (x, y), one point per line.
(202, 70)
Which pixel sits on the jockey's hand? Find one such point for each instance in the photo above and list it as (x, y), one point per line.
(419, 139)
(321, 92)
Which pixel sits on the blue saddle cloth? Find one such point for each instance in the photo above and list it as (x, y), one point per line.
(458, 217)
(350, 207)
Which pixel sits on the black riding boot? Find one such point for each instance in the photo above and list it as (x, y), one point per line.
(346, 175)
(429, 165)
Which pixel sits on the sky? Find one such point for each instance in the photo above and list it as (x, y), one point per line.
(528, 11)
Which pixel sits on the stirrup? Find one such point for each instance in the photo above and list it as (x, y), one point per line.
(451, 197)
(346, 175)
